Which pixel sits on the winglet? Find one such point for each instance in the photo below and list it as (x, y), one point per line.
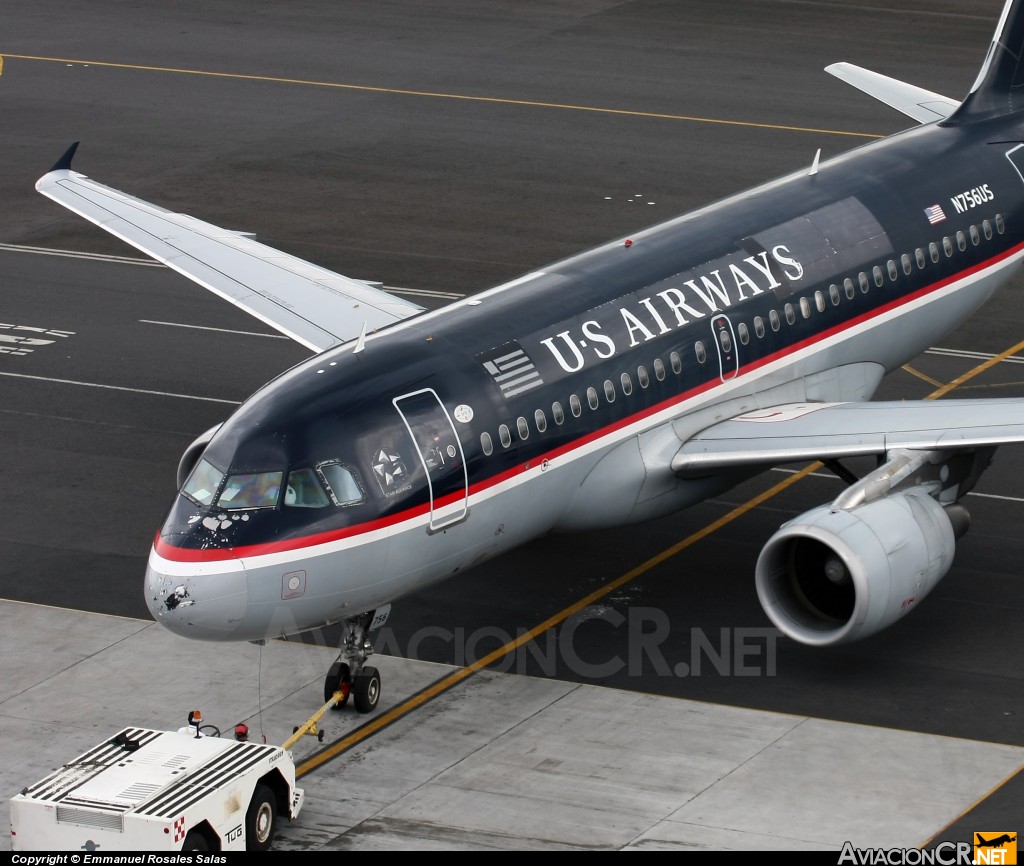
(64, 163)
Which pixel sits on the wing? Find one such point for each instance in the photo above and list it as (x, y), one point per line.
(799, 432)
(916, 102)
(310, 304)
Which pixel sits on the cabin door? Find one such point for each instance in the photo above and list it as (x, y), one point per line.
(725, 344)
(440, 452)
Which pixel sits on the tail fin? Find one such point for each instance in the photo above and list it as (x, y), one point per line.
(999, 87)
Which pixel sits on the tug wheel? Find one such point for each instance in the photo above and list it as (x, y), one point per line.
(261, 819)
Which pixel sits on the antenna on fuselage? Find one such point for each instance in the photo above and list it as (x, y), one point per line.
(814, 165)
(360, 340)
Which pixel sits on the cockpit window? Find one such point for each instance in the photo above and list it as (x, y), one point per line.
(251, 490)
(342, 483)
(304, 491)
(202, 484)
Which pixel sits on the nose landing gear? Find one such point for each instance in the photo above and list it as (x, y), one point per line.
(350, 674)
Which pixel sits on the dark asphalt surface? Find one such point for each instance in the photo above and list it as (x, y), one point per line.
(449, 147)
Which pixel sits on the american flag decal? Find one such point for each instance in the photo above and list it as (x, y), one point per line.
(935, 214)
(511, 369)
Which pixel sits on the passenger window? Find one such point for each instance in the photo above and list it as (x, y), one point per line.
(975, 236)
(743, 333)
(805, 308)
(986, 227)
(627, 384)
(878, 275)
(833, 294)
(609, 391)
(522, 428)
(1000, 225)
(921, 260)
(790, 313)
(540, 420)
(659, 369)
(592, 398)
(486, 443)
(773, 319)
(907, 265)
(725, 340)
(557, 413)
(575, 406)
(702, 355)
(865, 284)
(304, 491)
(642, 377)
(343, 484)
(961, 241)
(848, 287)
(676, 362)
(759, 326)
(933, 251)
(251, 490)
(819, 301)
(947, 247)
(504, 435)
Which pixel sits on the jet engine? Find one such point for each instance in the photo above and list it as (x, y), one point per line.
(834, 575)
(192, 454)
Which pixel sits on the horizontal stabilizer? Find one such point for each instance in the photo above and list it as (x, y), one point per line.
(310, 304)
(799, 432)
(915, 102)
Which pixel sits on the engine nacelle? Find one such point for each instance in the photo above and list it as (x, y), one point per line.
(835, 576)
(192, 454)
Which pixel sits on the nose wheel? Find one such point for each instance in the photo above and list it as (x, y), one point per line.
(366, 690)
(350, 674)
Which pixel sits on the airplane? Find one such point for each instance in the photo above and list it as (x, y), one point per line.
(619, 385)
(997, 842)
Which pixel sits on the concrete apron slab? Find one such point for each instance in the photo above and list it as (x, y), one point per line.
(500, 761)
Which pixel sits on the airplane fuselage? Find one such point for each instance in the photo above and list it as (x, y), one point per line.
(582, 378)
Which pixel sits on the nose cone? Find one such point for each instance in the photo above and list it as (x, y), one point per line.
(200, 600)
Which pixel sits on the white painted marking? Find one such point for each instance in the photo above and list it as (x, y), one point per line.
(121, 388)
(220, 330)
(71, 254)
(149, 263)
(975, 356)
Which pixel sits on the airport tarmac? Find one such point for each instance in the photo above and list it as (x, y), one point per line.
(497, 762)
(350, 139)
